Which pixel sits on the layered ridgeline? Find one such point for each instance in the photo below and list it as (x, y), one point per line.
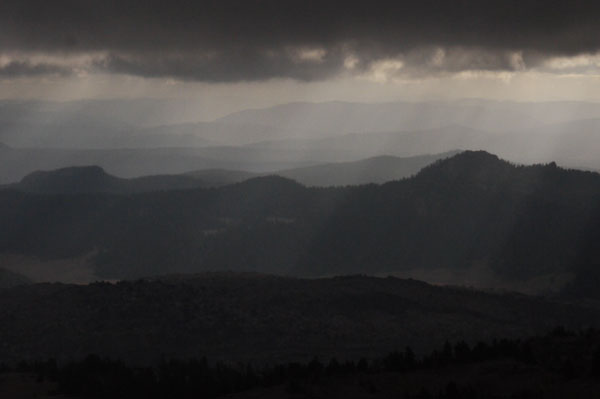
(94, 179)
(173, 123)
(243, 317)
(471, 219)
(133, 138)
(379, 169)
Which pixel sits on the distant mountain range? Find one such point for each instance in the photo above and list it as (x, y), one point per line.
(93, 179)
(379, 169)
(303, 134)
(241, 317)
(18, 162)
(339, 118)
(571, 144)
(471, 219)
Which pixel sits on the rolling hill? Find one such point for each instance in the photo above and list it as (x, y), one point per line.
(242, 317)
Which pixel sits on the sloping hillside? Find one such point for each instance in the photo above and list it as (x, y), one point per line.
(238, 317)
(379, 169)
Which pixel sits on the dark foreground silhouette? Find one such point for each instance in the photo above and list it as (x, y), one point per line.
(559, 364)
(254, 317)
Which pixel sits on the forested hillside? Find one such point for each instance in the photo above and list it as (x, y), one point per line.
(469, 212)
(241, 317)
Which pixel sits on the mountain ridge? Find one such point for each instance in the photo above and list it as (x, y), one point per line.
(485, 221)
(94, 179)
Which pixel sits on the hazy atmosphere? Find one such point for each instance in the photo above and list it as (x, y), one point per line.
(299, 199)
(519, 79)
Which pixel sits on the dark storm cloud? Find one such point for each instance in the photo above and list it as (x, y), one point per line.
(234, 64)
(15, 69)
(229, 40)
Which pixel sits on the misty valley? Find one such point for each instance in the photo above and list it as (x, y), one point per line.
(299, 199)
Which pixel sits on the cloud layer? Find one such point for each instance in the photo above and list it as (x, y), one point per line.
(229, 40)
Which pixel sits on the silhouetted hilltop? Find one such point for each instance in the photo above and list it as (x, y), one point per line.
(70, 180)
(468, 164)
(93, 179)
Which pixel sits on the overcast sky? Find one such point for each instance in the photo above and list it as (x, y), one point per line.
(229, 55)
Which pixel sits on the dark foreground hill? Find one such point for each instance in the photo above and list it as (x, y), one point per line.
(241, 317)
(560, 364)
(482, 220)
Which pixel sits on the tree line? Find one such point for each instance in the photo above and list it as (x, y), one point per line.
(98, 377)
